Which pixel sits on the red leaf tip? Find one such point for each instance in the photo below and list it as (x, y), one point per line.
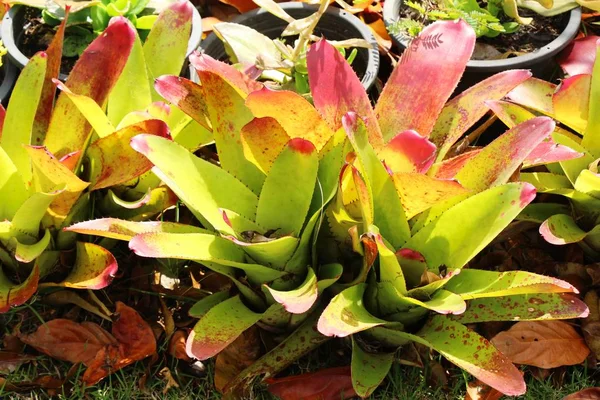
(139, 144)
(527, 194)
(301, 145)
(349, 121)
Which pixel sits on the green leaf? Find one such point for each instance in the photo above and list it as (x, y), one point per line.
(389, 268)
(473, 284)
(132, 92)
(523, 307)
(12, 188)
(26, 253)
(219, 327)
(589, 183)
(201, 247)
(12, 295)
(591, 136)
(368, 369)
(244, 45)
(299, 300)
(92, 112)
(20, 114)
(539, 212)
(201, 307)
(166, 45)
(95, 268)
(346, 314)
(446, 242)
(104, 154)
(573, 168)
(120, 229)
(472, 353)
(562, 229)
(287, 192)
(544, 181)
(389, 213)
(203, 187)
(26, 222)
(273, 253)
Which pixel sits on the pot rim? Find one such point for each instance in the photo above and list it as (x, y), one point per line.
(390, 15)
(20, 59)
(372, 67)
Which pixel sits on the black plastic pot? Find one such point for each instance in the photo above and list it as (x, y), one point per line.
(14, 21)
(335, 24)
(539, 62)
(10, 73)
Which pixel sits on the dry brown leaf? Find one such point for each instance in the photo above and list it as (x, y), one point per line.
(168, 316)
(241, 353)
(478, 390)
(170, 382)
(88, 343)
(326, 384)
(585, 394)
(9, 361)
(69, 341)
(544, 344)
(177, 346)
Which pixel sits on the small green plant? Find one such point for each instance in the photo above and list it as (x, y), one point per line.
(275, 61)
(89, 18)
(486, 21)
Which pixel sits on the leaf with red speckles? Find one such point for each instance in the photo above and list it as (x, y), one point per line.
(585, 394)
(496, 163)
(403, 105)
(464, 110)
(535, 94)
(293, 112)
(579, 56)
(12, 295)
(471, 352)
(213, 188)
(94, 75)
(135, 342)
(228, 115)
(263, 140)
(458, 234)
(591, 136)
(300, 299)
(114, 161)
(165, 48)
(336, 90)
(49, 173)
(346, 314)
(326, 384)
(186, 95)
(448, 169)
(237, 79)
(543, 344)
(561, 229)
(523, 307)
(44, 110)
(473, 284)
(126, 230)
(287, 209)
(420, 192)
(219, 327)
(368, 369)
(95, 268)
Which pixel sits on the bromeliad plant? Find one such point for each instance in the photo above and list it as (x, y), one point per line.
(575, 103)
(417, 218)
(68, 165)
(259, 210)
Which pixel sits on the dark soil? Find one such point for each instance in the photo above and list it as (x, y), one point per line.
(37, 36)
(526, 39)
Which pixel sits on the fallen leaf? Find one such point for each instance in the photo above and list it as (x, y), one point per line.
(135, 342)
(585, 394)
(477, 390)
(169, 323)
(70, 341)
(544, 344)
(177, 346)
(88, 343)
(236, 357)
(9, 361)
(168, 377)
(326, 384)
